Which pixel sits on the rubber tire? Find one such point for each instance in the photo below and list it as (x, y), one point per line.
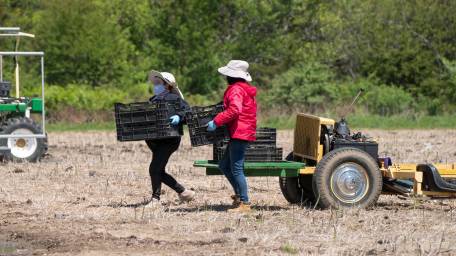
(297, 190)
(27, 123)
(327, 165)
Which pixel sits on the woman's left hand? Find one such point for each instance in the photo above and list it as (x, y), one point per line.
(174, 120)
(211, 126)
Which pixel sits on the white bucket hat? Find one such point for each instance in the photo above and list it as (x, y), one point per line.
(169, 79)
(236, 68)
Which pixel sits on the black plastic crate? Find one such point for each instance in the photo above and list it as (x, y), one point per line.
(264, 154)
(5, 88)
(266, 134)
(144, 112)
(265, 137)
(197, 120)
(253, 154)
(145, 120)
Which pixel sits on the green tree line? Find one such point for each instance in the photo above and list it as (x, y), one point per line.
(309, 55)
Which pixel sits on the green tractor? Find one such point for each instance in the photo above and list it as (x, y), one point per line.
(22, 139)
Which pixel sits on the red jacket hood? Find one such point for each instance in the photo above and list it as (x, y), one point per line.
(249, 89)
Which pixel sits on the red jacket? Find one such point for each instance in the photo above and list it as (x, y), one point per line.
(240, 111)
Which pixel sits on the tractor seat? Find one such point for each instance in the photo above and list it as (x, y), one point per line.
(432, 181)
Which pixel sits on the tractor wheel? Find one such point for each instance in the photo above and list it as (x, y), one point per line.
(347, 177)
(23, 149)
(297, 190)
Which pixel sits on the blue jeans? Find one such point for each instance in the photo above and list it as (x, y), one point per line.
(232, 165)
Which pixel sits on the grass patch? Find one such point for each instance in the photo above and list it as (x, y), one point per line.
(403, 122)
(374, 121)
(65, 127)
(287, 248)
(288, 122)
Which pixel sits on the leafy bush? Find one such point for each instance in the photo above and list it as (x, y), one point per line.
(388, 100)
(309, 85)
(85, 97)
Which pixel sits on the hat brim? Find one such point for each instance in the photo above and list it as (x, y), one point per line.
(235, 73)
(178, 92)
(154, 73)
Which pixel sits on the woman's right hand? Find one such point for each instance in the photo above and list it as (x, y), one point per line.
(174, 120)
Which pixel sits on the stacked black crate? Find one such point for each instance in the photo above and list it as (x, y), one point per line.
(5, 88)
(263, 149)
(146, 120)
(197, 120)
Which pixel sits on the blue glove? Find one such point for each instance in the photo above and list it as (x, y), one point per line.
(211, 126)
(174, 120)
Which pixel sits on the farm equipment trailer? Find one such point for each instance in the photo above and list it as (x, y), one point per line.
(21, 138)
(332, 168)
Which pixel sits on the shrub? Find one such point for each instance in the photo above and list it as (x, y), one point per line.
(388, 100)
(309, 85)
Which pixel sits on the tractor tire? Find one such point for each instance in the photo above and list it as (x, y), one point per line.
(297, 190)
(23, 149)
(346, 178)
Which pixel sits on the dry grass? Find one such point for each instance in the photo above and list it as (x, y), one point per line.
(81, 201)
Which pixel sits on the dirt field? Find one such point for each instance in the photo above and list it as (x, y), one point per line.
(85, 199)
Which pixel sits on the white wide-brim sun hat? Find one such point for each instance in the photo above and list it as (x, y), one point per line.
(236, 68)
(168, 78)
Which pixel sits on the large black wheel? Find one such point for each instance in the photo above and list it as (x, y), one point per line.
(347, 177)
(23, 149)
(297, 190)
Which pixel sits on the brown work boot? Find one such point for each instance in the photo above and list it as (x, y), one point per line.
(242, 208)
(187, 195)
(236, 200)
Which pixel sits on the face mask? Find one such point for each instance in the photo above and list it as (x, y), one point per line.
(159, 89)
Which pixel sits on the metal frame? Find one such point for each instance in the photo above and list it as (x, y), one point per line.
(409, 171)
(295, 169)
(14, 32)
(43, 112)
(257, 169)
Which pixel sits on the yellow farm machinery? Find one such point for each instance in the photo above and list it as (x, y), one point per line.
(332, 168)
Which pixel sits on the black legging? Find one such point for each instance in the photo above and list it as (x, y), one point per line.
(162, 150)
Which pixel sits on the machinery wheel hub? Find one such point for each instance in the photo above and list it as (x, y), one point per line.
(22, 147)
(349, 182)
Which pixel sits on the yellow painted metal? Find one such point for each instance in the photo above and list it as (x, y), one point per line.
(400, 171)
(407, 171)
(16, 74)
(307, 170)
(307, 136)
(417, 181)
(446, 170)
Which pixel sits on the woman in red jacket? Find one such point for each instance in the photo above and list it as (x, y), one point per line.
(240, 118)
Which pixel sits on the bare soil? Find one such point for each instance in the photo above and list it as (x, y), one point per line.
(86, 198)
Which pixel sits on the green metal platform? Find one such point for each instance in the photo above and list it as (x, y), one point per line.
(282, 169)
(35, 105)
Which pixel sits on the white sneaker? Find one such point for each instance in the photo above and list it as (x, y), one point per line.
(187, 195)
(153, 204)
